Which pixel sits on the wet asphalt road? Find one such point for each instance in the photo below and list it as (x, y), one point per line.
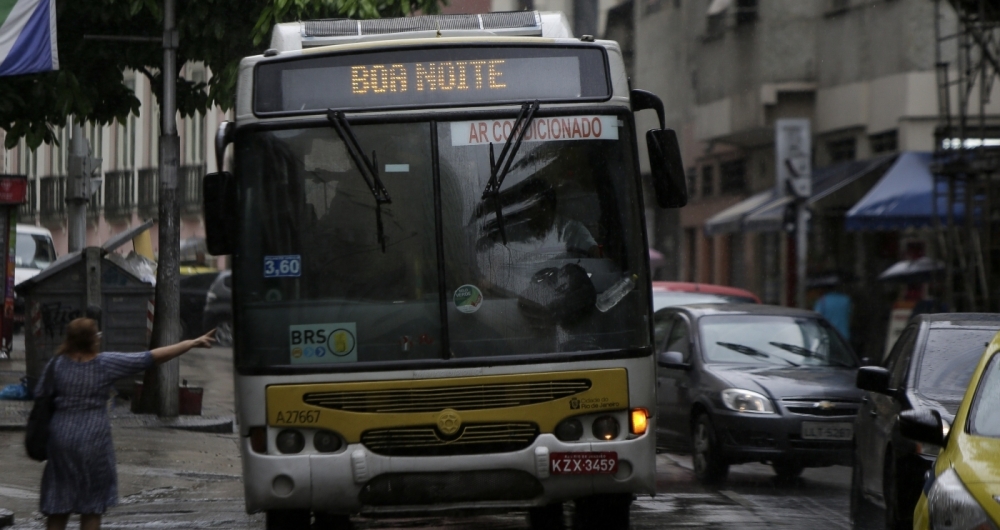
(178, 479)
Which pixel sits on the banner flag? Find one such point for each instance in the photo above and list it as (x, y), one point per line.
(27, 37)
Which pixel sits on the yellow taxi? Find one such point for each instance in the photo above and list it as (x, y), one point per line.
(964, 491)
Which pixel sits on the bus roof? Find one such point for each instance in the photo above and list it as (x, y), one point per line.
(313, 33)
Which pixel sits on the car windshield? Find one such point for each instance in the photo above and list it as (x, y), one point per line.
(950, 357)
(556, 274)
(34, 251)
(983, 417)
(773, 340)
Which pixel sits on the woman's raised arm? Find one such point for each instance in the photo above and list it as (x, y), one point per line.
(165, 353)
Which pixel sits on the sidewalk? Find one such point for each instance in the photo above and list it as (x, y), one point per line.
(217, 404)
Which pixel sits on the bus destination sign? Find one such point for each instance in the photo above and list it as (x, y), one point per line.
(420, 78)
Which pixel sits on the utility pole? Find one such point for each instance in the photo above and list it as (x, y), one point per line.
(163, 380)
(793, 157)
(79, 186)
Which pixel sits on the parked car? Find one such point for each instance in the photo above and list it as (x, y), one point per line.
(928, 371)
(962, 489)
(218, 311)
(33, 253)
(194, 288)
(740, 383)
(667, 294)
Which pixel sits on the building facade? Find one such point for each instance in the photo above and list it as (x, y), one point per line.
(129, 170)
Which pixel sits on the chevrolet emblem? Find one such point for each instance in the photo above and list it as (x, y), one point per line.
(824, 405)
(448, 422)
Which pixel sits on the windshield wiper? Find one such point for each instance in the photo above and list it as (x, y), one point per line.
(367, 168)
(797, 350)
(496, 173)
(747, 350)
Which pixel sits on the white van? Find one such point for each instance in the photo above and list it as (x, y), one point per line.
(34, 252)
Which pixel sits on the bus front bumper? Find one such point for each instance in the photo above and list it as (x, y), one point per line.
(355, 480)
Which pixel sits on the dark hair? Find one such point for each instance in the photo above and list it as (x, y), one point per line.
(81, 336)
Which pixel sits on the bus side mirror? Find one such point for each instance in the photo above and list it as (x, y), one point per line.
(666, 168)
(665, 164)
(219, 193)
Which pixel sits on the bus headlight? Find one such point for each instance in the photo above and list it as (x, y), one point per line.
(326, 441)
(289, 441)
(606, 428)
(569, 430)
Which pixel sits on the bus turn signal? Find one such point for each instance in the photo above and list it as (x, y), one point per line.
(639, 420)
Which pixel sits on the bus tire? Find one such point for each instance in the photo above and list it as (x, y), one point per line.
(288, 520)
(603, 512)
(549, 517)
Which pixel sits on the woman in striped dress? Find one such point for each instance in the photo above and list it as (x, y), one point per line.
(80, 474)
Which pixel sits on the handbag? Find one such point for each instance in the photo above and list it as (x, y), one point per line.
(36, 436)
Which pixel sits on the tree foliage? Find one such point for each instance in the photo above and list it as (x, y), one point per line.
(90, 84)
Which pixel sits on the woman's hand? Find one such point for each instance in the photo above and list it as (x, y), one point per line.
(204, 341)
(165, 353)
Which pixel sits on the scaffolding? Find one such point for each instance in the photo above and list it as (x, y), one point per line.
(967, 153)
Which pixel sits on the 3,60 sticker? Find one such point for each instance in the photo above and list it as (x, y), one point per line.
(282, 266)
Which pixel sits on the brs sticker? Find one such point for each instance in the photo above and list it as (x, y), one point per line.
(283, 266)
(323, 343)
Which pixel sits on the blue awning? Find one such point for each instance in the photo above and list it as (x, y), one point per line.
(827, 181)
(903, 198)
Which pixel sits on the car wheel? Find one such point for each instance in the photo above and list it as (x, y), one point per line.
(895, 513)
(603, 512)
(224, 333)
(287, 520)
(787, 471)
(709, 468)
(861, 511)
(548, 517)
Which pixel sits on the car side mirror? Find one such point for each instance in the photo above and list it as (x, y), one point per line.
(874, 379)
(924, 426)
(672, 359)
(219, 205)
(665, 165)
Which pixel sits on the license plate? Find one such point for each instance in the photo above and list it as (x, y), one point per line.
(814, 430)
(583, 463)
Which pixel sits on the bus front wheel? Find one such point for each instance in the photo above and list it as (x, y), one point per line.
(603, 512)
(288, 520)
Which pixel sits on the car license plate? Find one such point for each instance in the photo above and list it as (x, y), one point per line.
(814, 430)
(583, 463)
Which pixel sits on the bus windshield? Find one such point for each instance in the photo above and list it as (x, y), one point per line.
(549, 264)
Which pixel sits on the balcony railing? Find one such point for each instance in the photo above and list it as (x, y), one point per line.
(95, 205)
(26, 212)
(149, 183)
(189, 188)
(52, 206)
(118, 186)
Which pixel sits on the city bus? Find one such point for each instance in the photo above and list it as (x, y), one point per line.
(441, 286)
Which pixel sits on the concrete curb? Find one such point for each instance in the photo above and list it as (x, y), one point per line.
(209, 424)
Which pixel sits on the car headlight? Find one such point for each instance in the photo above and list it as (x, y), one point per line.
(952, 507)
(747, 401)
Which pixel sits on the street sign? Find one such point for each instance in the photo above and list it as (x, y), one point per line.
(793, 156)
